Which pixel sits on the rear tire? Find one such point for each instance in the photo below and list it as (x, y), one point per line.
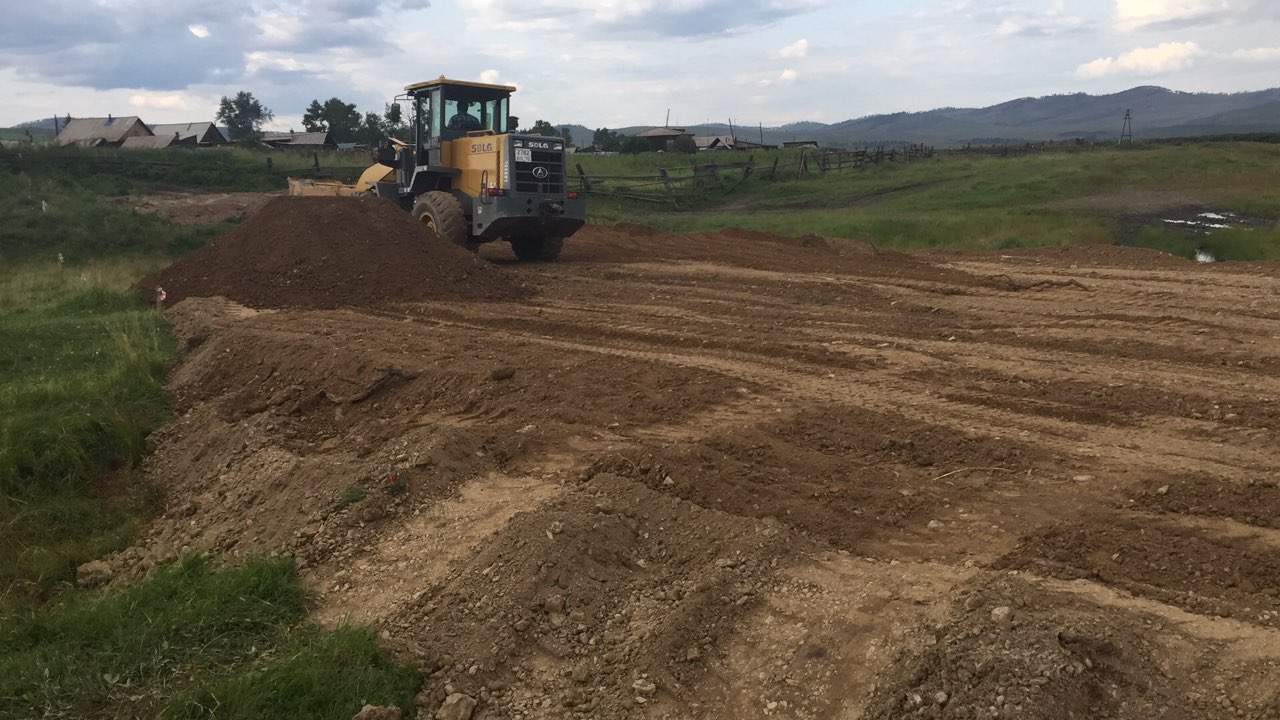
(535, 249)
(442, 214)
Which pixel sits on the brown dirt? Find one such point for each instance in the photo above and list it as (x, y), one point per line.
(738, 475)
(329, 253)
(199, 208)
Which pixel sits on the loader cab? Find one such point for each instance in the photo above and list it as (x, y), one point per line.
(445, 110)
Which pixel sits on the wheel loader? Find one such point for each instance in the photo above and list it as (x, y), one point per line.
(468, 175)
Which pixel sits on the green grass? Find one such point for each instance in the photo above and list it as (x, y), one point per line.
(115, 172)
(81, 365)
(975, 202)
(44, 216)
(193, 641)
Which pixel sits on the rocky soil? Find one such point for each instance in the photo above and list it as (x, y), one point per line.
(738, 475)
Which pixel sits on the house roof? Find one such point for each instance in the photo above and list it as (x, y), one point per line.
(661, 132)
(706, 142)
(198, 130)
(298, 138)
(149, 142)
(93, 130)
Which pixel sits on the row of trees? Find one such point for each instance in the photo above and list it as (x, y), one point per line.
(244, 115)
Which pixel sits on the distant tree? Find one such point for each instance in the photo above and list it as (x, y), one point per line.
(373, 129)
(604, 137)
(684, 144)
(340, 119)
(542, 127)
(634, 146)
(243, 115)
(566, 132)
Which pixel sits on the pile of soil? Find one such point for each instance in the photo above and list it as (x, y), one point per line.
(332, 252)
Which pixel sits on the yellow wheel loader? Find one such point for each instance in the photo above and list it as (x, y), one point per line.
(468, 175)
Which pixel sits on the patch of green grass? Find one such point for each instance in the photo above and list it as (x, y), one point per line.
(1238, 244)
(81, 367)
(967, 202)
(192, 641)
(314, 674)
(123, 649)
(350, 496)
(45, 216)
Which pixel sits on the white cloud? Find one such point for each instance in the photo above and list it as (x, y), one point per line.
(1133, 14)
(1144, 61)
(797, 49)
(1266, 54)
(199, 31)
(160, 101)
(787, 77)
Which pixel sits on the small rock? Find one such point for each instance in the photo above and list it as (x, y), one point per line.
(1082, 478)
(1002, 613)
(1162, 490)
(94, 573)
(692, 654)
(422, 699)
(456, 707)
(554, 604)
(669, 481)
(935, 524)
(377, 712)
(644, 687)
(505, 372)
(940, 698)
(580, 674)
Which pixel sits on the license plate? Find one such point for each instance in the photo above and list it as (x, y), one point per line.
(524, 155)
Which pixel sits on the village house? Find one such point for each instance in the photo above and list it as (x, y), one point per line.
(102, 132)
(199, 134)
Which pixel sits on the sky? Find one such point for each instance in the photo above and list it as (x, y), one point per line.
(618, 63)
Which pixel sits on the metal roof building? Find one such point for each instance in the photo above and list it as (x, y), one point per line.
(300, 141)
(95, 132)
(206, 134)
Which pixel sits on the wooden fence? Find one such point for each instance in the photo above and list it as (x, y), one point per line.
(680, 186)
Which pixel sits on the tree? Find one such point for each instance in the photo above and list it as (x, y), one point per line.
(373, 129)
(566, 132)
(604, 137)
(243, 115)
(684, 144)
(340, 119)
(542, 127)
(634, 146)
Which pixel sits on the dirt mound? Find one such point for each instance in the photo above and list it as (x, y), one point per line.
(1015, 649)
(332, 252)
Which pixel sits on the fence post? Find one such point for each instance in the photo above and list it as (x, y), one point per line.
(774, 170)
(583, 179)
(666, 183)
(746, 171)
(804, 163)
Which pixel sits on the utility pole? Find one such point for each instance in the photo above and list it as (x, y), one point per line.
(667, 124)
(1126, 134)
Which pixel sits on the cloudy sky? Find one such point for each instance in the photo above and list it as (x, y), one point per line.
(615, 63)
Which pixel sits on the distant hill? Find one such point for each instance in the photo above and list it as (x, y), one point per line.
(1157, 113)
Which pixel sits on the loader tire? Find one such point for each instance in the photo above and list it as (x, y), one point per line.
(533, 249)
(442, 214)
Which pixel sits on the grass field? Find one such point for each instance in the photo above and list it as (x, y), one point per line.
(960, 202)
(81, 369)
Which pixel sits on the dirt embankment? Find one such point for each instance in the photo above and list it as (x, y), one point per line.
(737, 475)
(311, 252)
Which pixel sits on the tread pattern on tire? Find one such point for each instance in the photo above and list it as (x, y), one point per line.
(446, 211)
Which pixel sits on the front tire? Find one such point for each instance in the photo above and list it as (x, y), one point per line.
(535, 249)
(442, 214)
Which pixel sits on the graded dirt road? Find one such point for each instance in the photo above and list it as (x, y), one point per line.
(733, 476)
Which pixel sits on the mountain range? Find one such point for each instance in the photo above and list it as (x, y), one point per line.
(1157, 113)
